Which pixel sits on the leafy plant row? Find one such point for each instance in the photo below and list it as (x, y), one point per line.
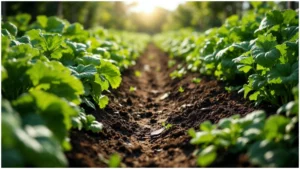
(266, 141)
(49, 68)
(260, 51)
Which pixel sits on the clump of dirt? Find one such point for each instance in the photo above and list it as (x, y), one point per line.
(133, 119)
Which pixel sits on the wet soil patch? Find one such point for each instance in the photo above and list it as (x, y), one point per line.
(133, 119)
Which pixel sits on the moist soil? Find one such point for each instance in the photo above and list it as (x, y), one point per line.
(133, 119)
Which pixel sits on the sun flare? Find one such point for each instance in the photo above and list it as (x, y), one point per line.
(149, 6)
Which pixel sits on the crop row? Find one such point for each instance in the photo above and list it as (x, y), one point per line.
(49, 68)
(258, 53)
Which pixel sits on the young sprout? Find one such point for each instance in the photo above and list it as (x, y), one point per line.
(171, 63)
(181, 89)
(137, 73)
(132, 89)
(167, 125)
(196, 80)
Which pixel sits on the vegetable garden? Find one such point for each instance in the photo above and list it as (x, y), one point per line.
(225, 97)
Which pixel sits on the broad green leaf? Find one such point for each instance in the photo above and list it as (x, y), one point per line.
(207, 126)
(85, 60)
(202, 137)
(42, 20)
(55, 25)
(77, 48)
(74, 29)
(90, 118)
(111, 73)
(284, 74)
(207, 156)
(84, 72)
(272, 18)
(103, 101)
(114, 161)
(254, 96)
(264, 52)
(290, 32)
(267, 154)
(96, 127)
(289, 15)
(275, 127)
(11, 28)
(53, 77)
(244, 68)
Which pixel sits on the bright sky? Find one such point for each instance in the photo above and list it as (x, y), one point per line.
(149, 5)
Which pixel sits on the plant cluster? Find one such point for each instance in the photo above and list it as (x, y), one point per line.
(260, 49)
(49, 68)
(267, 141)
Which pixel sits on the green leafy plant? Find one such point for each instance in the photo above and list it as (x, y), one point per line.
(167, 125)
(49, 68)
(181, 89)
(132, 89)
(268, 141)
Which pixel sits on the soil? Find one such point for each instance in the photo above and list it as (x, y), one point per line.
(132, 116)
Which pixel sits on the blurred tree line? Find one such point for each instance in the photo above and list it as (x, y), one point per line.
(118, 14)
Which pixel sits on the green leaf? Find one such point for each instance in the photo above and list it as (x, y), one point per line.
(53, 77)
(244, 69)
(264, 52)
(114, 161)
(84, 72)
(111, 73)
(42, 20)
(76, 123)
(55, 25)
(254, 96)
(207, 126)
(86, 60)
(284, 73)
(192, 132)
(88, 103)
(267, 154)
(202, 137)
(11, 28)
(96, 127)
(289, 15)
(90, 118)
(275, 127)
(207, 156)
(290, 32)
(50, 44)
(77, 48)
(272, 18)
(74, 29)
(103, 101)
(257, 81)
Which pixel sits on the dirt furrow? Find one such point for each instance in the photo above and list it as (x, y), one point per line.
(132, 116)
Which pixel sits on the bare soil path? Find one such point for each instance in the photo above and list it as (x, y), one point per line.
(133, 120)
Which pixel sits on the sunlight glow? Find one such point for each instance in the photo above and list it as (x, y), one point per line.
(149, 5)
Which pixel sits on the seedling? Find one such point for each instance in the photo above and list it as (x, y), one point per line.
(196, 80)
(181, 89)
(132, 89)
(171, 63)
(167, 125)
(137, 73)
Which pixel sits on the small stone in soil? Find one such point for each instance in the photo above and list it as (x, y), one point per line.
(164, 96)
(157, 132)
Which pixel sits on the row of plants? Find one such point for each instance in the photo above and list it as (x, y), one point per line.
(257, 54)
(50, 68)
(260, 49)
